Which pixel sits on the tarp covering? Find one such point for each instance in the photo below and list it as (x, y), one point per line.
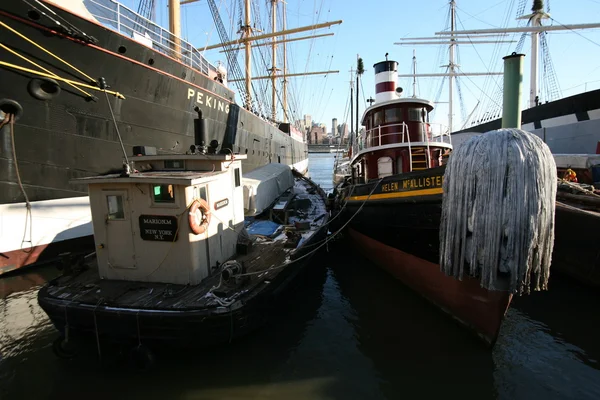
(263, 185)
(263, 228)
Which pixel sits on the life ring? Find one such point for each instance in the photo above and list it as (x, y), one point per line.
(199, 216)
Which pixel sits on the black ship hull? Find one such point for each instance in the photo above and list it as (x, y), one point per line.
(67, 132)
(569, 125)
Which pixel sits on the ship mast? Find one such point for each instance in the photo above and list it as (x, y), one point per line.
(284, 82)
(535, 20)
(273, 60)
(175, 27)
(451, 64)
(535, 29)
(246, 34)
(247, 39)
(455, 39)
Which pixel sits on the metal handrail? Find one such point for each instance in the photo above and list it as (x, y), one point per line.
(379, 135)
(442, 135)
(125, 21)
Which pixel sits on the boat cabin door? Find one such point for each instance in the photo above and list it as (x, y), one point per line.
(118, 229)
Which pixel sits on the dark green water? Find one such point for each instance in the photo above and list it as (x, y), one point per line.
(348, 332)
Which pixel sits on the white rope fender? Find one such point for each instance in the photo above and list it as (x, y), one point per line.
(498, 210)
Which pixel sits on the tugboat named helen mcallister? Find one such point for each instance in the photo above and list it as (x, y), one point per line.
(398, 208)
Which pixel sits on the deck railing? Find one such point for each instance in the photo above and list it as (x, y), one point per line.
(129, 23)
(375, 134)
(438, 135)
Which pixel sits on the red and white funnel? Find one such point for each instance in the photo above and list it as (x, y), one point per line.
(386, 76)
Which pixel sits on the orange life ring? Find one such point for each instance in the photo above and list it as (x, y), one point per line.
(199, 216)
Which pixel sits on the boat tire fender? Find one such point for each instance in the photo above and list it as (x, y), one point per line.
(63, 348)
(43, 88)
(199, 216)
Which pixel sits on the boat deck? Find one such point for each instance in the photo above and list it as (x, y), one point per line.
(87, 287)
(267, 258)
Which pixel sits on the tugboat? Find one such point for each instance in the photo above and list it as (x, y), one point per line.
(189, 251)
(392, 203)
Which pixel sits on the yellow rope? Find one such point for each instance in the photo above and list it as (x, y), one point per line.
(31, 71)
(46, 51)
(42, 68)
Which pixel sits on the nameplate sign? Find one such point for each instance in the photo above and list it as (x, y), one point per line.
(161, 228)
(221, 203)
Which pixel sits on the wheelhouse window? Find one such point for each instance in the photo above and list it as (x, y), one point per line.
(418, 114)
(174, 164)
(115, 207)
(163, 194)
(200, 193)
(377, 118)
(393, 115)
(369, 121)
(237, 175)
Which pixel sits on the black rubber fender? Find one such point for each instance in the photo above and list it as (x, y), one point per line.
(8, 106)
(43, 88)
(63, 349)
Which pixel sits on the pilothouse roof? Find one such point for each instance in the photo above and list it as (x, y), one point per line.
(401, 102)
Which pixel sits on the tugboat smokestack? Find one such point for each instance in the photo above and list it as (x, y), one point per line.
(386, 76)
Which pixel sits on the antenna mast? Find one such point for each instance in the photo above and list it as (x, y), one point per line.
(414, 73)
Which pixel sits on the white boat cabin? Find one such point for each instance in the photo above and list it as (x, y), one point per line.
(398, 135)
(173, 220)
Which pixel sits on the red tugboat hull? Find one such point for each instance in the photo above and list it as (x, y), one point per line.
(478, 309)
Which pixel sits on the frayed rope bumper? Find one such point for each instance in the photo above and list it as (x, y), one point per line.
(498, 211)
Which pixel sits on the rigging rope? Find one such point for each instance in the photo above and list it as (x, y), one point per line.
(47, 73)
(31, 71)
(10, 119)
(90, 79)
(43, 69)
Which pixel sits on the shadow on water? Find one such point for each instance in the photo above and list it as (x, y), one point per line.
(347, 331)
(417, 351)
(549, 344)
(292, 357)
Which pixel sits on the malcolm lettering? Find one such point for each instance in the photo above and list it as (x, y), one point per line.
(158, 221)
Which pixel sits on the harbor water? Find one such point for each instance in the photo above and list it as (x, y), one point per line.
(348, 331)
